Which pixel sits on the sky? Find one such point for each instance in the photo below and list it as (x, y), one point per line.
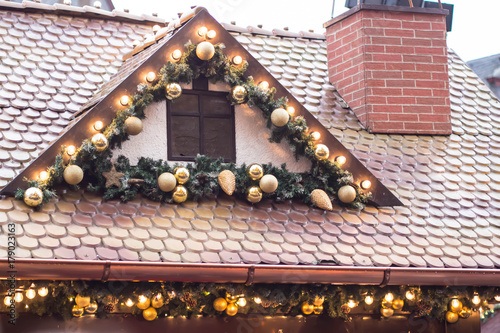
(475, 31)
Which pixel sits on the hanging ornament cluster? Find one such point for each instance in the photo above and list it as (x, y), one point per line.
(149, 306)
(316, 306)
(83, 304)
(229, 304)
(456, 310)
(168, 182)
(389, 304)
(267, 183)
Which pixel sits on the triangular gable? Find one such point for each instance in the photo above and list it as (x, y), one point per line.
(105, 109)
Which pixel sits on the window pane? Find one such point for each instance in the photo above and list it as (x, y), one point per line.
(218, 138)
(215, 105)
(185, 136)
(186, 103)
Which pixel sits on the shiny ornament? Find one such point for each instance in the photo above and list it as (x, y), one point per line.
(44, 291)
(180, 194)
(227, 181)
(321, 152)
(99, 141)
(231, 309)
(318, 309)
(91, 308)
(451, 317)
(398, 304)
(73, 174)
(33, 196)
(347, 194)
(82, 301)
(255, 171)
(455, 305)
(205, 51)
(307, 308)
(239, 94)
(143, 303)
(318, 300)
(386, 312)
(167, 182)
(133, 126)
(386, 304)
(280, 117)
(268, 183)
(181, 174)
(231, 298)
(157, 301)
(173, 90)
(220, 304)
(321, 199)
(465, 312)
(150, 314)
(254, 194)
(77, 311)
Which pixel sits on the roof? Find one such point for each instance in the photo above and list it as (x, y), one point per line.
(447, 183)
(486, 66)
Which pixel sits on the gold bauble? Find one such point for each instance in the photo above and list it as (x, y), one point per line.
(82, 301)
(167, 182)
(157, 301)
(321, 152)
(254, 194)
(455, 305)
(451, 317)
(100, 142)
(73, 174)
(398, 304)
(239, 94)
(231, 309)
(307, 308)
(465, 312)
(347, 194)
(386, 312)
(321, 199)
(133, 125)
(149, 314)
(386, 304)
(143, 303)
(220, 304)
(33, 196)
(318, 309)
(181, 174)
(205, 50)
(318, 300)
(268, 183)
(77, 311)
(173, 90)
(227, 181)
(255, 171)
(231, 298)
(280, 117)
(91, 308)
(180, 194)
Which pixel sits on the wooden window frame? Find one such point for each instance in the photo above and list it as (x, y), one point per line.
(200, 90)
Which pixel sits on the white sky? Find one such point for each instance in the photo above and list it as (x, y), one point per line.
(475, 31)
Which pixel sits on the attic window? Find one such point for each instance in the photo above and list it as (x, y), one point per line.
(201, 122)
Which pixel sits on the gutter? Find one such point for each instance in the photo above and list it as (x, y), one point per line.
(55, 269)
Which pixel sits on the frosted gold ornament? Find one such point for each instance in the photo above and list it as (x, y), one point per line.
(82, 301)
(318, 309)
(180, 194)
(150, 314)
(231, 309)
(239, 94)
(255, 171)
(167, 182)
(77, 311)
(143, 302)
(73, 174)
(181, 174)
(157, 301)
(465, 312)
(133, 125)
(268, 183)
(321, 199)
(318, 300)
(386, 312)
(99, 141)
(455, 305)
(347, 194)
(33, 196)
(173, 90)
(280, 117)
(307, 308)
(254, 194)
(205, 51)
(227, 181)
(398, 304)
(451, 317)
(91, 308)
(321, 152)
(220, 304)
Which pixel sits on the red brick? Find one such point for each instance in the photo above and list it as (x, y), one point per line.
(401, 100)
(430, 50)
(387, 23)
(417, 75)
(430, 34)
(430, 68)
(431, 100)
(386, 74)
(418, 109)
(400, 83)
(379, 116)
(401, 66)
(399, 33)
(417, 58)
(429, 18)
(434, 118)
(437, 109)
(416, 25)
(381, 57)
(390, 109)
(440, 92)
(416, 42)
(417, 92)
(388, 127)
(419, 126)
(403, 117)
(385, 91)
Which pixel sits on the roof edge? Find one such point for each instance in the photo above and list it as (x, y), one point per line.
(56, 269)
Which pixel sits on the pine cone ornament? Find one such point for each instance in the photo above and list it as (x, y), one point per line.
(187, 298)
(266, 303)
(202, 178)
(108, 308)
(321, 199)
(227, 181)
(345, 308)
(423, 309)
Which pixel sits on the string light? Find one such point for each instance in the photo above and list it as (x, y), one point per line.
(351, 303)
(30, 293)
(455, 303)
(340, 160)
(211, 34)
(202, 31)
(291, 110)
(98, 126)
(410, 295)
(369, 299)
(7, 300)
(150, 77)
(44, 175)
(389, 297)
(237, 60)
(124, 100)
(129, 303)
(142, 299)
(176, 55)
(365, 184)
(263, 85)
(497, 298)
(257, 300)
(44, 291)
(476, 299)
(19, 297)
(315, 135)
(241, 301)
(70, 150)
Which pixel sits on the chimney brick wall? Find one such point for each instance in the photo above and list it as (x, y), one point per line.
(391, 67)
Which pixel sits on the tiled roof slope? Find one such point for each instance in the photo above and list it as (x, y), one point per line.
(448, 184)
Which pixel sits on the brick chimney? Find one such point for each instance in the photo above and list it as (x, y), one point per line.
(390, 64)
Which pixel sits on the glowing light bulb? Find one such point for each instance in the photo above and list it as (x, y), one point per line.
(237, 60)
(369, 299)
(98, 125)
(211, 34)
(129, 303)
(176, 55)
(124, 100)
(19, 297)
(365, 184)
(241, 301)
(44, 175)
(476, 299)
(340, 160)
(257, 300)
(315, 135)
(70, 150)
(142, 299)
(150, 77)
(264, 85)
(30, 293)
(410, 295)
(291, 110)
(351, 303)
(497, 298)
(202, 31)
(389, 297)
(455, 303)
(7, 300)
(44, 291)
